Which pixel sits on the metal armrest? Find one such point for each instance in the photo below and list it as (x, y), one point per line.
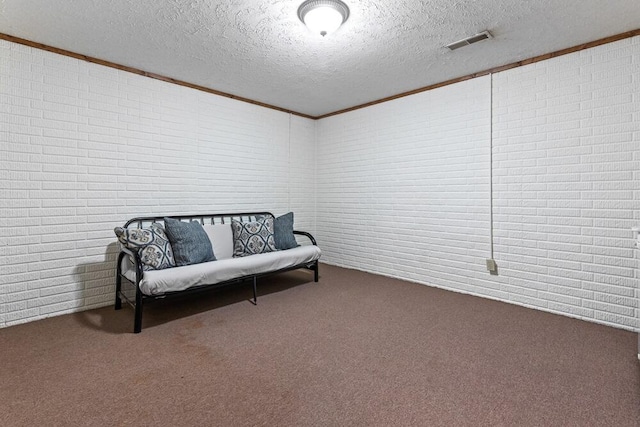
(304, 233)
(137, 263)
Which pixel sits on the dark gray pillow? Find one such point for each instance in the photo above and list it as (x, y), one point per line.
(283, 232)
(189, 242)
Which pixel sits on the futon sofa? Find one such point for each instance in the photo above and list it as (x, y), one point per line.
(160, 257)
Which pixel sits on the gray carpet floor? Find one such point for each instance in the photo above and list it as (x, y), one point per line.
(354, 349)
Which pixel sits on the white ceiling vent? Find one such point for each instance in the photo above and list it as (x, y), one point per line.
(469, 40)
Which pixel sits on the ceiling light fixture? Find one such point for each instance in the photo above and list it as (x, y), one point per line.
(323, 16)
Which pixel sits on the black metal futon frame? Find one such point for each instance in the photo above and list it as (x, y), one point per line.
(136, 298)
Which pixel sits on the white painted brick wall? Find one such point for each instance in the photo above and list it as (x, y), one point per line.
(403, 186)
(400, 188)
(85, 147)
(566, 144)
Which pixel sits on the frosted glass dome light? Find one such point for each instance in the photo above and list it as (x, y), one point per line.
(323, 16)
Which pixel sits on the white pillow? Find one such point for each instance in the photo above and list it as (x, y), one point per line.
(221, 238)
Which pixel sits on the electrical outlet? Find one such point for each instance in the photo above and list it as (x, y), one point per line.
(492, 267)
(636, 236)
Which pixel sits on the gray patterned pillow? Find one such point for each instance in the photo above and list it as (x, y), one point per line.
(151, 243)
(250, 238)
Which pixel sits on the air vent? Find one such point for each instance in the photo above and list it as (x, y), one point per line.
(469, 40)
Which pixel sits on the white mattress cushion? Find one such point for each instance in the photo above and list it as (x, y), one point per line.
(157, 282)
(221, 237)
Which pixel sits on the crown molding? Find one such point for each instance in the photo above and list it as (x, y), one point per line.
(494, 70)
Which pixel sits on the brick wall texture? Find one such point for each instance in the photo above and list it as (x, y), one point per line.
(543, 160)
(404, 187)
(84, 148)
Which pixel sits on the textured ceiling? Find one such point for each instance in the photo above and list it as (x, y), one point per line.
(258, 49)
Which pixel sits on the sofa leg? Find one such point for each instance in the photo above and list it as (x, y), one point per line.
(255, 291)
(315, 271)
(137, 325)
(118, 302)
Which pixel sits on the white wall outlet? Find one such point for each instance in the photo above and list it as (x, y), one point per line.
(636, 236)
(491, 265)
